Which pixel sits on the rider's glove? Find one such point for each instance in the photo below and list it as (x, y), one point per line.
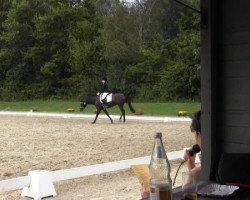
(97, 93)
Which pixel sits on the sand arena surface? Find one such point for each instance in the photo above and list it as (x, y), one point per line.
(30, 143)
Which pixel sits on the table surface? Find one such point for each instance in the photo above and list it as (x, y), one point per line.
(240, 194)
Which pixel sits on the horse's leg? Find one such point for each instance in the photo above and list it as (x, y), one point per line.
(97, 113)
(120, 119)
(106, 112)
(123, 113)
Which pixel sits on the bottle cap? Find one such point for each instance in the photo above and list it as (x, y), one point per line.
(158, 135)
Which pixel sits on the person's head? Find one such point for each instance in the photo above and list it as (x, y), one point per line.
(195, 126)
(104, 80)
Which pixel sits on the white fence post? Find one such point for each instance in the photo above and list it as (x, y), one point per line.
(41, 185)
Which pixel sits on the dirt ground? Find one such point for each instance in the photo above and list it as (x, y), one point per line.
(30, 143)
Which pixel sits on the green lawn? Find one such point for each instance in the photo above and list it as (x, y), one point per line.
(167, 108)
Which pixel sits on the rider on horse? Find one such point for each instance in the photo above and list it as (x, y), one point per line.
(104, 92)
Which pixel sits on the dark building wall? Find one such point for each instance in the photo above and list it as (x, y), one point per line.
(225, 75)
(233, 76)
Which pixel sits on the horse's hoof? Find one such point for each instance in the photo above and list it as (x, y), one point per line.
(92, 122)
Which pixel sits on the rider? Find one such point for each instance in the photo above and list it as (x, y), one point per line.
(104, 89)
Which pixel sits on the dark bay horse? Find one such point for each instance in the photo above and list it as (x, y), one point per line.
(117, 99)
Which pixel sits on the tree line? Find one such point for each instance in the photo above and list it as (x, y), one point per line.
(62, 48)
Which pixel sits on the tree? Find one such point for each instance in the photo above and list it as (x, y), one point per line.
(84, 46)
(181, 75)
(169, 65)
(119, 42)
(17, 38)
(62, 48)
(4, 8)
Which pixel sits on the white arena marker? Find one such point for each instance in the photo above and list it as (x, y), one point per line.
(41, 185)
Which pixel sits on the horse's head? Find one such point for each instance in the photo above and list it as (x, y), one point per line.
(83, 104)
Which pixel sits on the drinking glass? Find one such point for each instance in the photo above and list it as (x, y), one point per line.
(189, 186)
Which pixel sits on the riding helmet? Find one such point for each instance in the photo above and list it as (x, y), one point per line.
(105, 79)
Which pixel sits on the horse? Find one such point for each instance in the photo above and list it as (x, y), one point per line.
(117, 99)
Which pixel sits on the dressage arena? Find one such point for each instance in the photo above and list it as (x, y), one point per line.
(49, 143)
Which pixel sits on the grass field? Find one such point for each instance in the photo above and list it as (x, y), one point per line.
(167, 108)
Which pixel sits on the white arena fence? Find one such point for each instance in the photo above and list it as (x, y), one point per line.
(66, 174)
(101, 116)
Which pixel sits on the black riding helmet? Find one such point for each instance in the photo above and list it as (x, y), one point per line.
(105, 79)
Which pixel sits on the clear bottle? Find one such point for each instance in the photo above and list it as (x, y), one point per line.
(159, 168)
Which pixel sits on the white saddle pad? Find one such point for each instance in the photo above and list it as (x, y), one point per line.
(104, 95)
(109, 97)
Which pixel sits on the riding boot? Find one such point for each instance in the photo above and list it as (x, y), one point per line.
(104, 104)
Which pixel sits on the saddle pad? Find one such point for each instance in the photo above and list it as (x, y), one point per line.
(109, 97)
(103, 95)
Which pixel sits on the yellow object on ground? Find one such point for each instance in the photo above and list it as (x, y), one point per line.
(71, 110)
(182, 113)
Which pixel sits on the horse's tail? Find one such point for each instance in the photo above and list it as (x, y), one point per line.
(128, 100)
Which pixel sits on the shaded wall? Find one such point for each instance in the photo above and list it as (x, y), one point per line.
(234, 75)
(225, 78)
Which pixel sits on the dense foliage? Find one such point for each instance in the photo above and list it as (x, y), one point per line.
(62, 48)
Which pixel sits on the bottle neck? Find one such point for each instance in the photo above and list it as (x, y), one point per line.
(159, 150)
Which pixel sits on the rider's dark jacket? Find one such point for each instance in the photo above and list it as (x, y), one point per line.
(104, 88)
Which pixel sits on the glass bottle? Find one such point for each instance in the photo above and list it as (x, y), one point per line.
(159, 168)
